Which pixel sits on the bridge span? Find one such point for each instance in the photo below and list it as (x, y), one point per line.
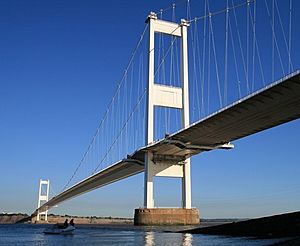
(268, 107)
(276, 104)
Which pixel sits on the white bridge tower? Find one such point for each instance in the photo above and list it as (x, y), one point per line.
(172, 97)
(43, 197)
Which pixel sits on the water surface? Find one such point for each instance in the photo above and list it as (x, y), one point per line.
(27, 234)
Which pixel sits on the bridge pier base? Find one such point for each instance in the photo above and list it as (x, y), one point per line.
(166, 216)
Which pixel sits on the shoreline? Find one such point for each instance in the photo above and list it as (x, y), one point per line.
(14, 218)
(276, 226)
(86, 220)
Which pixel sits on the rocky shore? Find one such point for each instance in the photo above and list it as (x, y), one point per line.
(277, 226)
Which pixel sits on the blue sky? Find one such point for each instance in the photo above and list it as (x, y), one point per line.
(59, 63)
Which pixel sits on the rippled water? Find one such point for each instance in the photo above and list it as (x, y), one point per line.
(26, 234)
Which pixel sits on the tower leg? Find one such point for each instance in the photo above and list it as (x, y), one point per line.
(186, 185)
(148, 187)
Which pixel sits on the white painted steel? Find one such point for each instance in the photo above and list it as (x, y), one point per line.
(43, 198)
(168, 170)
(166, 27)
(186, 181)
(148, 180)
(166, 96)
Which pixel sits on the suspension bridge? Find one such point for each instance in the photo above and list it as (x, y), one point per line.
(204, 85)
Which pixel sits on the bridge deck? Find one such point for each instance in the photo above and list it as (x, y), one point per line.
(271, 106)
(274, 105)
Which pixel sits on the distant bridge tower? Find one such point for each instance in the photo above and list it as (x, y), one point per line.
(43, 197)
(166, 165)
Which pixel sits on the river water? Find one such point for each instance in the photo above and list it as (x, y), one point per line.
(27, 234)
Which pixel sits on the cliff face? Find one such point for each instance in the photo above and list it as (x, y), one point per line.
(11, 218)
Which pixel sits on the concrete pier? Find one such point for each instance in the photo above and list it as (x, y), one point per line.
(166, 216)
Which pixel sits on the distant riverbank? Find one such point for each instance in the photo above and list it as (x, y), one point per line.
(53, 219)
(13, 218)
